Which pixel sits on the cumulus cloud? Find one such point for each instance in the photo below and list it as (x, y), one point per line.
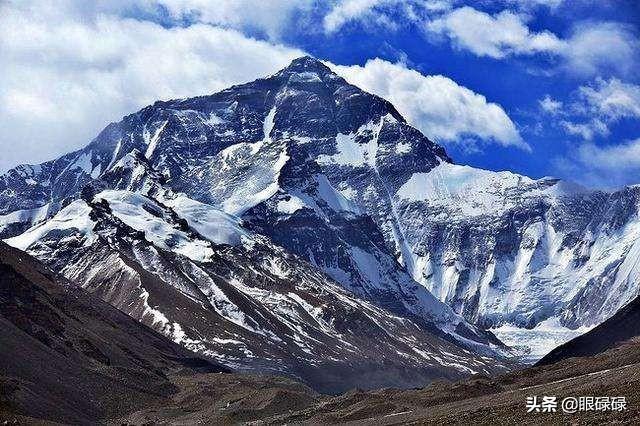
(437, 105)
(380, 12)
(66, 74)
(393, 12)
(495, 36)
(591, 47)
(270, 17)
(532, 4)
(600, 105)
(550, 105)
(601, 46)
(588, 130)
(604, 167)
(612, 99)
(346, 11)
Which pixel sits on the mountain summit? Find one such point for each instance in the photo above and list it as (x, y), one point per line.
(307, 64)
(298, 201)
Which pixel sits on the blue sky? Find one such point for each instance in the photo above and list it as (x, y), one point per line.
(539, 87)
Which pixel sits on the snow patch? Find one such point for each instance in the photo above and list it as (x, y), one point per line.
(74, 217)
(333, 197)
(96, 171)
(403, 148)
(82, 162)
(208, 221)
(116, 151)
(213, 120)
(290, 206)
(152, 141)
(268, 124)
(352, 153)
(31, 216)
(473, 191)
(305, 77)
(134, 210)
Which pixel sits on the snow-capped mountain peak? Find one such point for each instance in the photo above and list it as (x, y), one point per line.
(335, 176)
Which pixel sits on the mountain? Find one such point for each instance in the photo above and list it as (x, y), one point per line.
(335, 176)
(192, 273)
(69, 358)
(530, 259)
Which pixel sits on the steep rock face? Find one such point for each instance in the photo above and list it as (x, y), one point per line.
(336, 176)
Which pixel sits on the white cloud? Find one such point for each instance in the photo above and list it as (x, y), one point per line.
(603, 166)
(550, 105)
(594, 47)
(612, 98)
(591, 48)
(380, 12)
(495, 36)
(587, 130)
(346, 11)
(65, 75)
(268, 16)
(601, 104)
(532, 4)
(391, 13)
(437, 105)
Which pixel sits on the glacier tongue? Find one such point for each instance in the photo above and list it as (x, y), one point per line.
(536, 342)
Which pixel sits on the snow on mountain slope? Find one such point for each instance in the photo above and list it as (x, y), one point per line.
(507, 251)
(552, 238)
(74, 218)
(243, 175)
(213, 224)
(18, 221)
(471, 191)
(139, 213)
(337, 177)
(250, 305)
(538, 341)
